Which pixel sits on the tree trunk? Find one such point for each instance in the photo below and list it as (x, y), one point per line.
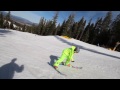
(118, 43)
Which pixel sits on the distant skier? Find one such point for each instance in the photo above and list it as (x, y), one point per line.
(68, 55)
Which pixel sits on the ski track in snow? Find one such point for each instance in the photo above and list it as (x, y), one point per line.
(35, 51)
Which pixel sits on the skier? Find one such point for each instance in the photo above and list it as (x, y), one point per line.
(68, 55)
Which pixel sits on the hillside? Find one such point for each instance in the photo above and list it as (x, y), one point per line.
(20, 19)
(34, 52)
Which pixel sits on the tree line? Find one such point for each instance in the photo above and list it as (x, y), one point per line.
(105, 32)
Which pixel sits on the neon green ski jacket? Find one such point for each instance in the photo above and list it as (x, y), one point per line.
(69, 52)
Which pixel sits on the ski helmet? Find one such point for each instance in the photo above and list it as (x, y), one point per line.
(77, 49)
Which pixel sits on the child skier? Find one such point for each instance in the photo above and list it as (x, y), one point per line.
(68, 55)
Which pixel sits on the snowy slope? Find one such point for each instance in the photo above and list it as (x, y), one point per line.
(34, 52)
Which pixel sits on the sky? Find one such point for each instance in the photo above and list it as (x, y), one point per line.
(34, 16)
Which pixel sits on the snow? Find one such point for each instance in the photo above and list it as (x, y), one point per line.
(14, 26)
(34, 52)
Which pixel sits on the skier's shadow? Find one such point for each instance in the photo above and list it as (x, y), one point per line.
(53, 58)
(7, 70)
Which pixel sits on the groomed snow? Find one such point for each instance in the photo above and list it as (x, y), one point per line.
(34, 52)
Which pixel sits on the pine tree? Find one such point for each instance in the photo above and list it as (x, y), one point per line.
(33, 29)
(106, 21)
(7, 24)
(11, 25)
(24, 28)
(68, 25)
(8, 16)
(1, 20)
(79, 28)
(62, 28)
(83, 25)
(85, 37)
(97, 29)
(74, 29)
(104, 35)
(91, 33)
(53, 25)
(57, 29)
(41, 26)
(115, 31)
(19, 29)
(28, 29)
(47, 27)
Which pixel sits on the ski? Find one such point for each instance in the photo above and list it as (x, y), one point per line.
(77, 67)
(63, 63)
(57, 70)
